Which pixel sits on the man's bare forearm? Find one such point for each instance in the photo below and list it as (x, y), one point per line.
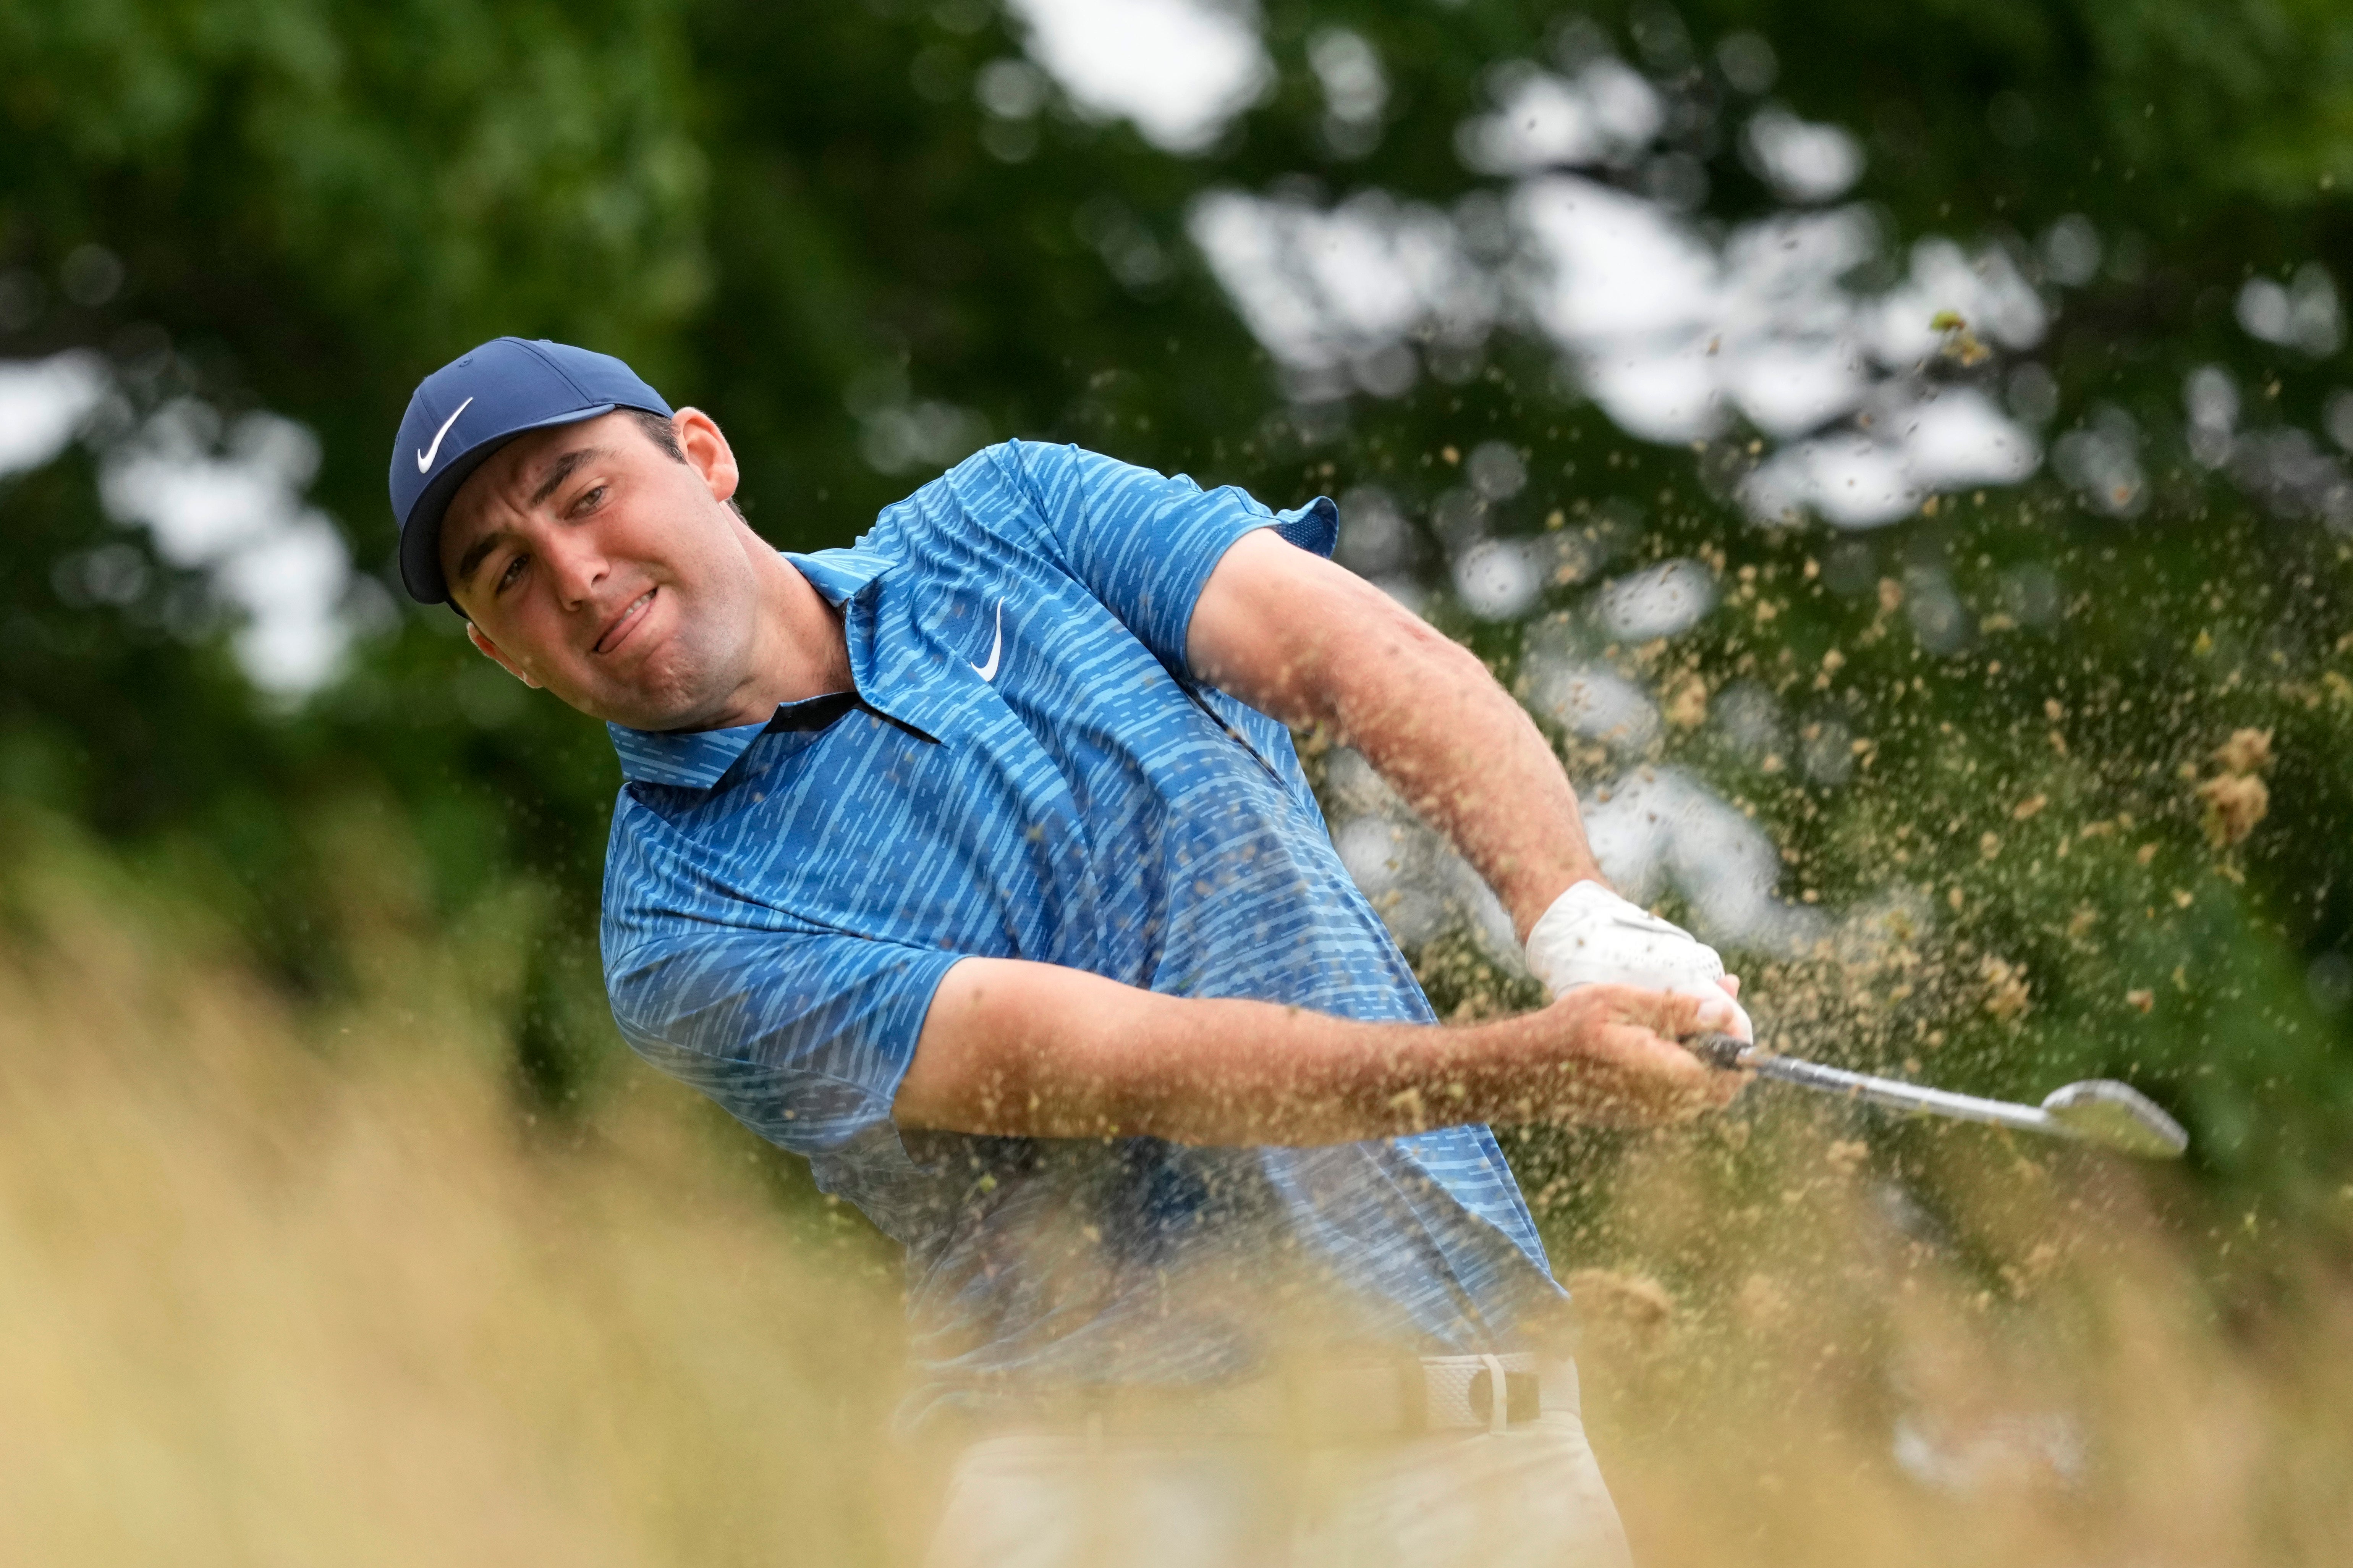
(1019, 1049)
(1307, 642)
(1433, 722)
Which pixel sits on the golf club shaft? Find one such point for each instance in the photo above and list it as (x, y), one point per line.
(1725, 1051)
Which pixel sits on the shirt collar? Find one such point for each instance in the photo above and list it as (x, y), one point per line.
(840, 574)
(689, 759)
(698, 759)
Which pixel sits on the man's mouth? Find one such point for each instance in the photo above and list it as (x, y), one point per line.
(625, 623)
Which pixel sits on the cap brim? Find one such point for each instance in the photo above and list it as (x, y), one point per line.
(420, 535)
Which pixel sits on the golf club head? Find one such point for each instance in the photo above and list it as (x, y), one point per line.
(2117, 1116)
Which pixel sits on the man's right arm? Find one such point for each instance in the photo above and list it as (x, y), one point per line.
(1013, 1049)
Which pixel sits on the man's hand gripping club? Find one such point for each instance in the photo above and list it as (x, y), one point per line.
(1590, 936)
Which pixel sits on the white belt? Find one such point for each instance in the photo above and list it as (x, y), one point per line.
(1339, 1403)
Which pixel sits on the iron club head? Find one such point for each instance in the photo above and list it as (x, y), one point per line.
(2117, 1116)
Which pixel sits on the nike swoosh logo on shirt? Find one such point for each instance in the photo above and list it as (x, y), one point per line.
(424, 458)
(988, 671)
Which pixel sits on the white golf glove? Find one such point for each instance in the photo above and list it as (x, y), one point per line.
(1591, 936)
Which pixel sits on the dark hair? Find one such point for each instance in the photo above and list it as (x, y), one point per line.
(663, 434)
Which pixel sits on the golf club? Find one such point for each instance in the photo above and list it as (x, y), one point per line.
(2097, 1110)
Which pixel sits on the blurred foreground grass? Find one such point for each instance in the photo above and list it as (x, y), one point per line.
(286, 1286)
(306, 1290)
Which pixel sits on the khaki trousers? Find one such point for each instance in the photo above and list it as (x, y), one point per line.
(1528, 1497)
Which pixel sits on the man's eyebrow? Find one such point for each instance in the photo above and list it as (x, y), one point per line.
(563, 469)
(473, 556)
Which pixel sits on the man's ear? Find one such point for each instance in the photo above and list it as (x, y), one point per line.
(498, 655)
(707, 451)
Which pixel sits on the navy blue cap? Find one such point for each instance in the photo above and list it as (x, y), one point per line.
(472, 407)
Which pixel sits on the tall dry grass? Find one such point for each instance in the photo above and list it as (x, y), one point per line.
(284, 1286)
(2001, 1356)
(303, 1289)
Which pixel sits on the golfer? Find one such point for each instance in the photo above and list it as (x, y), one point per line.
(973, 863)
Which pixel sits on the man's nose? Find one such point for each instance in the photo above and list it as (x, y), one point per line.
(575, 564)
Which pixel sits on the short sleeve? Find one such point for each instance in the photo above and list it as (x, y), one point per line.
(1144, 542)
(802, 1036)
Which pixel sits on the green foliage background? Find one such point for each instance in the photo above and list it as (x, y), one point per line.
(781, 211)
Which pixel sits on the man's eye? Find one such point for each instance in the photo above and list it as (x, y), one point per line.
(507, 578)
(590, 498)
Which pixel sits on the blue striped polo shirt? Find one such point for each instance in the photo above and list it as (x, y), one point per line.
(1029, 770)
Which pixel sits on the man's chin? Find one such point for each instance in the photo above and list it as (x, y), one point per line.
(664, 688)
(655, 712)
(655, 720)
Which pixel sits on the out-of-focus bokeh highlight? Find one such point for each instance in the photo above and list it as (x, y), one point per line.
(1903, 459)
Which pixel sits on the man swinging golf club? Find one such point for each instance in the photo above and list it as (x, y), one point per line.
(973, 862)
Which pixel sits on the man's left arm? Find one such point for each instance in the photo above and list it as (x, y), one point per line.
(1305, 641)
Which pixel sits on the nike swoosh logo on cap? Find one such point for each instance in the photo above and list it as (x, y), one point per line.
(424, 458)
(988, 671)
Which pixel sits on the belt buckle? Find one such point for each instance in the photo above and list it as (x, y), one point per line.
(1523, 1397)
